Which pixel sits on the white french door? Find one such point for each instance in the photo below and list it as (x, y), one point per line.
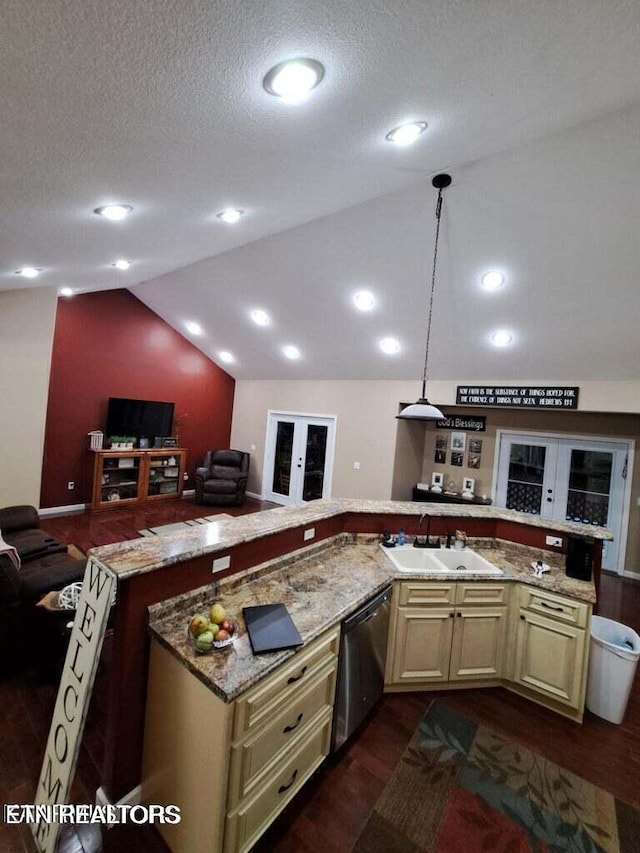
(298, 462)
(568, 479)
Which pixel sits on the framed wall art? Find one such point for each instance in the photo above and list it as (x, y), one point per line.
(458, 441)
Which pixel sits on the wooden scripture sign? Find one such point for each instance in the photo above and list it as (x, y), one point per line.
(460, 422)
(518, 396)
(74, 693)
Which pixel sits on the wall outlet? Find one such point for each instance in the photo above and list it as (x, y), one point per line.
(71, 485)
(554, 541)
(221, 563)
(356, 466)
(309, 533)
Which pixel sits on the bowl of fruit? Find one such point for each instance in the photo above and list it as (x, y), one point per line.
(217, 631)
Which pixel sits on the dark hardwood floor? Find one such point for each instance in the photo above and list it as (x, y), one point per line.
(330, 812)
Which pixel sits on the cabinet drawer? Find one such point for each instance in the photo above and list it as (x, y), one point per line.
(554, 606)
(248, 821)
(253, 707)
(291, 723)
(479, 592)
(426, 592)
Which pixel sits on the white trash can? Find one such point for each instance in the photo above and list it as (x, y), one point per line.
(613, 659)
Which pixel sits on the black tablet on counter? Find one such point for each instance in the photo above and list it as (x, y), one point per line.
(270, 628)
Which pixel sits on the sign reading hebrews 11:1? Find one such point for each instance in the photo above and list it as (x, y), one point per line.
(518, 396)
(74, 693)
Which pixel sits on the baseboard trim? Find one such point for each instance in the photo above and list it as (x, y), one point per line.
(188, 493)
(61, 510)
(633, 576)
(255, 496)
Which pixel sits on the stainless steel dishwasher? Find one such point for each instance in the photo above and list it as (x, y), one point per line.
(363, 652)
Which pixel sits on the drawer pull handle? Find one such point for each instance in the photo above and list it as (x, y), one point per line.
(551, 607)
(297, 677)
(284, 788)
(295, 725)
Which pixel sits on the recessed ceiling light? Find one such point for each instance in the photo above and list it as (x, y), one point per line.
(501, 338)
(65, 291)
(230, 216)
(364, 300)
(406, 134)
(226, 357)
(260, 317)
(492, 280)
(121, 264)
(290, 351)
(29, 272)
(114, 212)
(193, 328)
(390, 346)
(293, 79)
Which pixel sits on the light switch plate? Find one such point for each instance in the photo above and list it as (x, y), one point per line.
(309, 533)
(221, 563)
(554, 541)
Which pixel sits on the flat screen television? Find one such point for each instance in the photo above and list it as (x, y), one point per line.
(138, 418)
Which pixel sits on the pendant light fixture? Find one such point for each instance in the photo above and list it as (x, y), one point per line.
(422, 410)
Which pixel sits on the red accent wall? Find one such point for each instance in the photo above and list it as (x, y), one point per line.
(109, 344)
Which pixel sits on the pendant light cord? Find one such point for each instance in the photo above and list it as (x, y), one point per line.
(433, 287)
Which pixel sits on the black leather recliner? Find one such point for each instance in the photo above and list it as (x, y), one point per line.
(222, 479)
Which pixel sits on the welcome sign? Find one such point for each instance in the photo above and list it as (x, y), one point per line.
(72, 702)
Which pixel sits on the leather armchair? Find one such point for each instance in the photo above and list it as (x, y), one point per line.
(222, 479)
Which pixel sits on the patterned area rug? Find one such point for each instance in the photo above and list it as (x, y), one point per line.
(183, 525)
(460, 788)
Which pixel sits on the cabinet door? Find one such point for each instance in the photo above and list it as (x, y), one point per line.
(477, 650)
(422, 644)
(163, 473)
(116, 478)
(549, 658)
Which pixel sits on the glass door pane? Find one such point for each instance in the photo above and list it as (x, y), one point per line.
(525, 478)
(314, 462)
(589, 486)
(282, 463)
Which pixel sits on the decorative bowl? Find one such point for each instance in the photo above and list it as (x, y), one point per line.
(215, 646)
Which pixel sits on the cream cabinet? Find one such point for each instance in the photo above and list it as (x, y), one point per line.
(550, 652)
(233, 767)
(444, 632)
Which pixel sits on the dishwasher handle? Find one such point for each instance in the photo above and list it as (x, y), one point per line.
(369, 611)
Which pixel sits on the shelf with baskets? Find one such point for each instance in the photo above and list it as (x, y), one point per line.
(135, 476)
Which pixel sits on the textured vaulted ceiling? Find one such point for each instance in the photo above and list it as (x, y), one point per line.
(534, 108)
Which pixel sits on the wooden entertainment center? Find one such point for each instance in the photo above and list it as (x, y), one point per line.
(128, 477)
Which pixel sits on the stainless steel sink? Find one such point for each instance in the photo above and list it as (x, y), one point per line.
(406, 558)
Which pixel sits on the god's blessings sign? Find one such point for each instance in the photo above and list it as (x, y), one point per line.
(74, 693)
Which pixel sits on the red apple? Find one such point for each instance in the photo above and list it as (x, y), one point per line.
(228, 625)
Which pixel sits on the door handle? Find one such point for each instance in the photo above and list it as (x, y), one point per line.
(551, 607)
(297, 677)
(293, 726)
(284, 788)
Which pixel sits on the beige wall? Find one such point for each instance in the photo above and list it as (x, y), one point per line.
(368, 432)
(27, 319)
(394, 455)
(365, 427)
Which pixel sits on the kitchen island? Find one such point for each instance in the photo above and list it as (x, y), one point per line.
(152, 570)
(268, 717)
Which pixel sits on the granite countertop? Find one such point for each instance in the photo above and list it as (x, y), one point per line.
(321, 585)
(137, 556)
